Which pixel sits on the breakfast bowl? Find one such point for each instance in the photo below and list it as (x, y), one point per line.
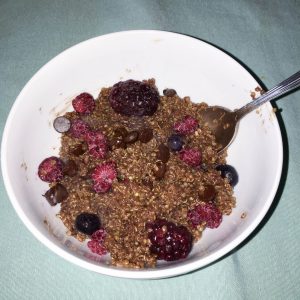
(191, 66)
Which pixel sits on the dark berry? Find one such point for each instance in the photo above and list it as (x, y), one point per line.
(134, 98)
(51, 169)
(84, 104)
(56, 194)
(175, 142)
(103, 176)
(62, 124)
(169, 241)
(79, 128)
(229, 172)
(169, 92)
(87, 223)
(187, 125)
(191, 156)
(205, 212)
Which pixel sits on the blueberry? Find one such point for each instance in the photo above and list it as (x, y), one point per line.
(87, 223)
(229, 172)
(175, 142)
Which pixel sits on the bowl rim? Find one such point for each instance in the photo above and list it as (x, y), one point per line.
(130, 273)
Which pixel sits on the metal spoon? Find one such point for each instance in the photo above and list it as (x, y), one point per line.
(224, 122)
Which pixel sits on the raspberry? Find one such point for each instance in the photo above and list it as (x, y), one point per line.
(97, 144)
(51, 169)
(99, 235)
(187, 125)
(191, 156)
(96, 244)
(79, 128)
(134, 98)
(206, 212)
(103, 176)
(169, 241)
(84, 104)
(96, 247)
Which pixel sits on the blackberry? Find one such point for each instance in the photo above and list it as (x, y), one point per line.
(87, 223)
(134, 98)
(169, 241)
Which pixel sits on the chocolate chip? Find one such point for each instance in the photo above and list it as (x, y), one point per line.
(79, 149)
(117, 142)
(120, 132)
(163, 153)
(209, 194)
(160, 170)
(169, 92)
(62, 124)
(146, 181)
(70, 168)
(146, 135)
(56, 194)
(131, 137)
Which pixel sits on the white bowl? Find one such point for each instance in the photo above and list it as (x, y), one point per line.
(194, 68)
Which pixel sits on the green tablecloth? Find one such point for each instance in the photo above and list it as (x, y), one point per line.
(265, 36)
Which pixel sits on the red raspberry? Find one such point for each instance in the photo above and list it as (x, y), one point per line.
(103, 176)
(96, 247)
(99, 235)
(51, 169)
(97, 144)
(187, 125)
(169, 241)
(84, 104)
(96, 244)
(191, 156)
(205, 212)
(79, 128)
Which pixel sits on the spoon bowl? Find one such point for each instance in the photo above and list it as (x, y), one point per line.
(223, 122)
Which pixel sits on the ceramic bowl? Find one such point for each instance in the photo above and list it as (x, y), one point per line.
(194, 68)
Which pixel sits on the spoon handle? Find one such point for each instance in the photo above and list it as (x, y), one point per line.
(280, 89)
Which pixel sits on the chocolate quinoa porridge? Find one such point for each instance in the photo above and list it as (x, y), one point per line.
(138, 174)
